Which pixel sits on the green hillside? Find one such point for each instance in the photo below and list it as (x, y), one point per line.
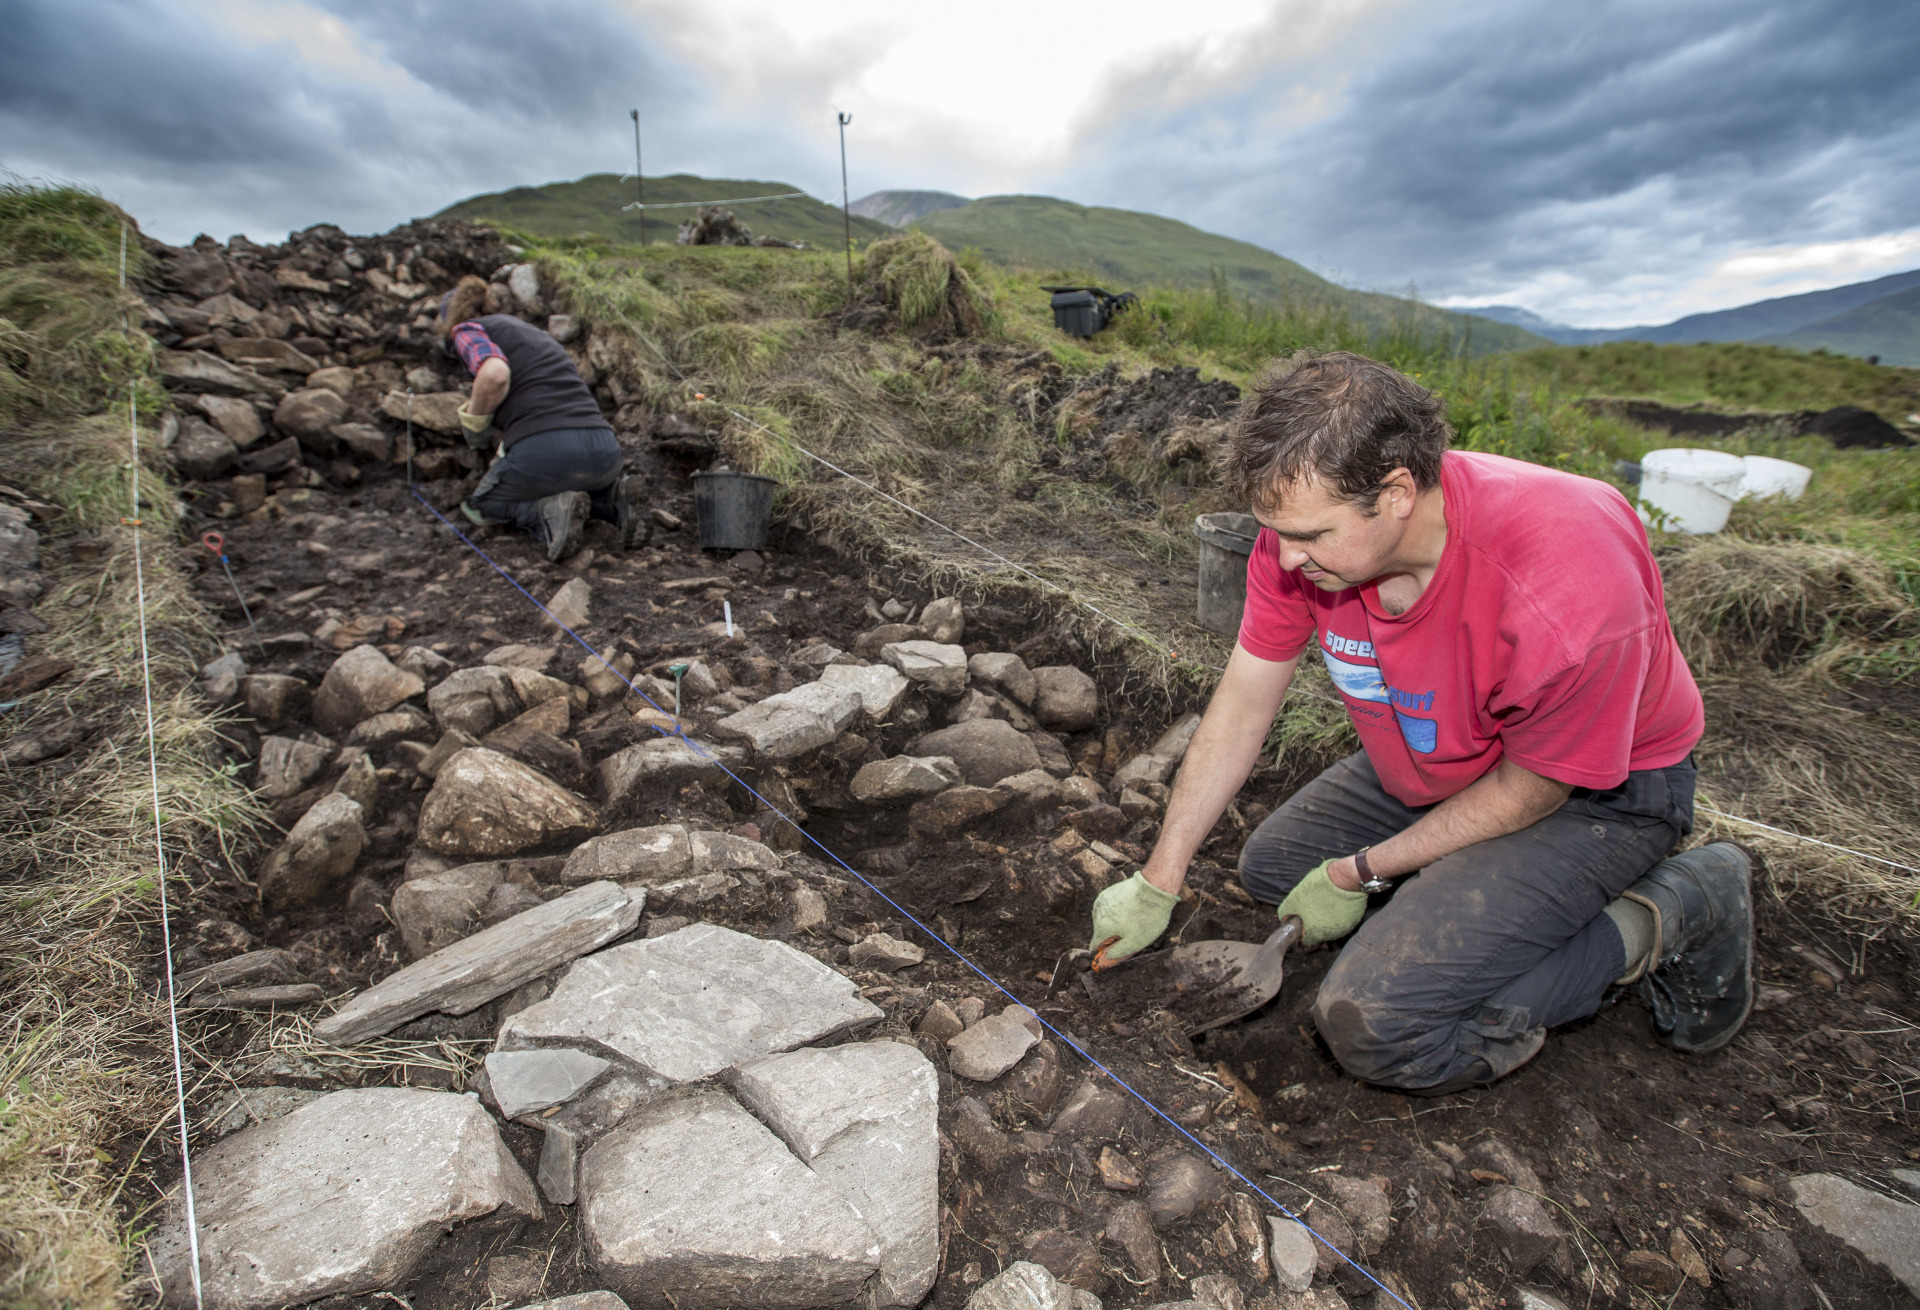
(1124, 250)
(1888, 327)
(592, 205)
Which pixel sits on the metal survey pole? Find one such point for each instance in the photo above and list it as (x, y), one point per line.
(846, 211)
(639, 182)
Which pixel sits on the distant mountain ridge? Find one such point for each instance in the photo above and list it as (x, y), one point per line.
(1879, 317)
(595, 205)
(1124, 249)
(903, 207)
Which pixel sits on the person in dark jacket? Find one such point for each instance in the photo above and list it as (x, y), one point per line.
(559, 462)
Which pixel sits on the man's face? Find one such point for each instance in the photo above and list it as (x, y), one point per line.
(1332, 544)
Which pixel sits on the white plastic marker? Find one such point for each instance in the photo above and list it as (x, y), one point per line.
(727, 607)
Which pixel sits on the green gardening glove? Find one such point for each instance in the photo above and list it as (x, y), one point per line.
(1135, 911)
(1326, 912)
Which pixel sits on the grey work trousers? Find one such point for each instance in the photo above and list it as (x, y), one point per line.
(1459, 969)
(544, 464)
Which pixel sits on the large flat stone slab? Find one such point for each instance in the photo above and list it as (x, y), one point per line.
(864, 1117)
(693, 1204)
(692, 1003)
(342, 1196)
(476, 969)
(1880, 1228)
(793, 722)
(878, 686)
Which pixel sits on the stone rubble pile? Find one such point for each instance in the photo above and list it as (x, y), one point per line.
(300, 365)
(717, 1152)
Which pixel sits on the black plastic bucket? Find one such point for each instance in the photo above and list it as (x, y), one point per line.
(732, 509)
(1226, 540)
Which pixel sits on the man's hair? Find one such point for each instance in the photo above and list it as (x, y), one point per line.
(1341, 418)
(465, 301)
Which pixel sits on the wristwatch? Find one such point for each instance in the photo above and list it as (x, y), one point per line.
(1369, 880)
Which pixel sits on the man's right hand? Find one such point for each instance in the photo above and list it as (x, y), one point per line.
(1131, 915)
(477, 427)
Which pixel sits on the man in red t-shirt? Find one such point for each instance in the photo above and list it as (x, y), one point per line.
(1498, 633)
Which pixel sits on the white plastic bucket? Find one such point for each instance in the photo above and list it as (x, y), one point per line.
(1695, 489)
(1766, 476)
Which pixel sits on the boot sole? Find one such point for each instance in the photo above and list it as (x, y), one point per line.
(636, 529)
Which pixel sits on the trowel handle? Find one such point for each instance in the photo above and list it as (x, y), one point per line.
(1284, 936)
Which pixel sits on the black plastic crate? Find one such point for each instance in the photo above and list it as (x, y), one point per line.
(1078, 313)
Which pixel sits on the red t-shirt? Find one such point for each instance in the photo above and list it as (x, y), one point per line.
(1543, 636)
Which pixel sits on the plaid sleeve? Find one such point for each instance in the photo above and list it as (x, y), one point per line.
(475, 346)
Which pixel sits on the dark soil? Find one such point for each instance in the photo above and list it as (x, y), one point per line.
(1632, 1139)
(1633, 1142)
(1846, 426)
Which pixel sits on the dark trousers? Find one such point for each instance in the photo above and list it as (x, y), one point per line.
(544, 464)
(1459, 969)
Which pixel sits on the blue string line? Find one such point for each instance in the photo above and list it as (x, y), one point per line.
(955, 951)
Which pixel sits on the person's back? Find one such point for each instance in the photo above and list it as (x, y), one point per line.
(548, 392)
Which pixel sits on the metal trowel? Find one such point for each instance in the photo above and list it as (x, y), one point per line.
(1204, 984)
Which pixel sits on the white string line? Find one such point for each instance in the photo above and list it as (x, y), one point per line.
(704, 204)
(1800, 836)
(1158, 644)
(160, 855)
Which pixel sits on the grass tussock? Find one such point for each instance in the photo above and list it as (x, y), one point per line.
(87, 1088)
(925, 286)
(1735, 603)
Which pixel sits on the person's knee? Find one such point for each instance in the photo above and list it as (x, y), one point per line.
(1374, 1039)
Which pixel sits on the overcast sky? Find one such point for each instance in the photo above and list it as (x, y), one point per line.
(1603, 162)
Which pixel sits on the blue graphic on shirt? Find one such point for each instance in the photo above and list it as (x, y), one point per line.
(1360, 681)
(1422, 734)
(1364, 682)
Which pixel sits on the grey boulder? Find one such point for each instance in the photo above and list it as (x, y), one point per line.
(940, 667)
(342, 1196)
(693, 1204)
(527, 1082)
(903, 778)
(1005, 672)
(879, 686)
(473, 700)
(486, 803)
(361, 684)
(665, 760)
(287, 765)
(986, 750)
(793, 722)
(202, 451)
(1065, 698)
(991, 1047)
(319, 850)
(647, 855)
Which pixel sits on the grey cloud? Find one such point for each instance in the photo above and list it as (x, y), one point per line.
(189, 125)
(1495, 141)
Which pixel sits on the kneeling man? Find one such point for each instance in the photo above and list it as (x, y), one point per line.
(1498, 633)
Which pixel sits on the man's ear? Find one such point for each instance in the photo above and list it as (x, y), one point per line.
(1402, 491)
